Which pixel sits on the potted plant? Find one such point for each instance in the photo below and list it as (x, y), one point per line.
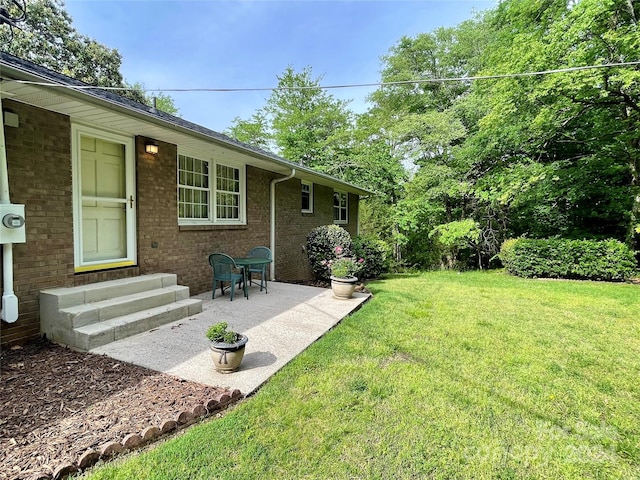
(227, 347)
(343, 280)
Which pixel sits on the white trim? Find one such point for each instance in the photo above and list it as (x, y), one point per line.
(310, 184)
(213, 163)
(77, 130)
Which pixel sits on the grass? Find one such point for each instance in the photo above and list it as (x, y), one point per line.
(441, 375)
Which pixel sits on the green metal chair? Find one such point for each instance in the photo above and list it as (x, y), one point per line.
(259, 252)
(224, 270)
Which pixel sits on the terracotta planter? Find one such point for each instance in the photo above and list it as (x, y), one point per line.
(227, 356)
(343, 287)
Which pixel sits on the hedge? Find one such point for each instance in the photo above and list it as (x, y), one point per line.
(606, 260)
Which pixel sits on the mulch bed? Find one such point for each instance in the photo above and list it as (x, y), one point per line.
(63, 410)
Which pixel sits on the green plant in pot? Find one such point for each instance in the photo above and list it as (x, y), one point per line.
(343, 280)
(227, 347)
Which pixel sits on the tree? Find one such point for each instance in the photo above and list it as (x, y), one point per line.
(444, 53)
(160, 100)
(421, 121)
(302, 123)
(163, 102)
(309, 126)
(553, 134)
(539, 155)
(375, 167)
(255, 131)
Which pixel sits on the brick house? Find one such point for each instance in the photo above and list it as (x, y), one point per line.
(99, 207)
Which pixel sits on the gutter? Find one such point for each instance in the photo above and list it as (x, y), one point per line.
(272, 220)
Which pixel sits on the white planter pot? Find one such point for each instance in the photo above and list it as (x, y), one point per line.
(227, 356)
(343, 287)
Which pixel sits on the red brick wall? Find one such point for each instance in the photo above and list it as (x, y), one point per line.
(163, 246)
(292, 226)
(40, 171)
(38, 157)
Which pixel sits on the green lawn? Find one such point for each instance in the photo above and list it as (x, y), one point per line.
(441, 375)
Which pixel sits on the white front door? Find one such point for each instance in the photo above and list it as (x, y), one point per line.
(104, 204)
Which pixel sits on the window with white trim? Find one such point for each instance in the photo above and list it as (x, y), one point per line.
(340, 207)
(307, 197)
(209, 192)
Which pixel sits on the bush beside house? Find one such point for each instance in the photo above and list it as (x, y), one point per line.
(327, 244)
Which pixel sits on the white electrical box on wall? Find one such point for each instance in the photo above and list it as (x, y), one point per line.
(12, 229)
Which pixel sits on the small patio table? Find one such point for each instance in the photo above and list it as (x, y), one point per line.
(244, 262)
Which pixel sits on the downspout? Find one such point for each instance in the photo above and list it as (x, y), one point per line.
(272, 220)
(9, 312)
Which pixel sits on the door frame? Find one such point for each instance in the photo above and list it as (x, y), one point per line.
(77, 130)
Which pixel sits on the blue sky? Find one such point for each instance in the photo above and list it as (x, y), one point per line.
(245, 43)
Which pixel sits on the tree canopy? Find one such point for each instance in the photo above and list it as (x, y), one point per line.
(301, 122)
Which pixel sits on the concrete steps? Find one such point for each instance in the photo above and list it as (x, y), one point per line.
(93, 315)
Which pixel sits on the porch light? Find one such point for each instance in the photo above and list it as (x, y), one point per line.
(151, 148)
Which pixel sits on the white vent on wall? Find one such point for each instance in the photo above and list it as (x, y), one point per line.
(11, 119)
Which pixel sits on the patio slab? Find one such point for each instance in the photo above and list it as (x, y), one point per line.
(280, 325)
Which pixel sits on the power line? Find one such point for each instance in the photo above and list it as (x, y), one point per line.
(352, 85)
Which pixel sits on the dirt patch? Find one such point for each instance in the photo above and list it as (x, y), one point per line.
(61, 409)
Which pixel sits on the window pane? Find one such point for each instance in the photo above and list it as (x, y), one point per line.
(194, 189)
(227, 192)
(340, 207)
(193, 196)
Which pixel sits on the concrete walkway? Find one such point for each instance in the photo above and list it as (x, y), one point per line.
(280, 325)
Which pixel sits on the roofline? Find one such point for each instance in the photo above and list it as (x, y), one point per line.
(26, 70)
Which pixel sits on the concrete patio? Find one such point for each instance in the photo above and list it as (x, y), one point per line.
(280, 325)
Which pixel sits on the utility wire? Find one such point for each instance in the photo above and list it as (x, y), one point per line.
(352, 85)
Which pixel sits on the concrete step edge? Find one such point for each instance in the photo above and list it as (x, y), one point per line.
(101, 333)
(81, 315)
(67, 297)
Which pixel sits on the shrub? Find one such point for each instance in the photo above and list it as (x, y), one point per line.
(608, 260)
(220, 333)
(325, 244)
(373, 252)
